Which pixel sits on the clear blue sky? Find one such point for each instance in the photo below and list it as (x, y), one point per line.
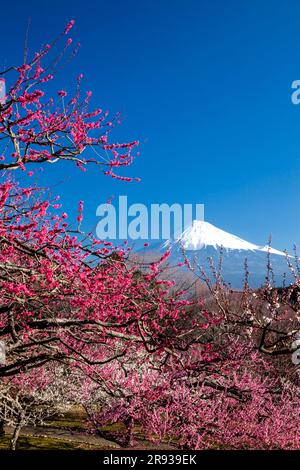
(205, 85)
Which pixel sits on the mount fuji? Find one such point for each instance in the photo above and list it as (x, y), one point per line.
(202, 234)
(202, 241)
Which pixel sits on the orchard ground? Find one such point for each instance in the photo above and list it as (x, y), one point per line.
(68, 431)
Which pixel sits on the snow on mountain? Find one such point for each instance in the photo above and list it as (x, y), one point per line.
(202, 242)
(202, 234)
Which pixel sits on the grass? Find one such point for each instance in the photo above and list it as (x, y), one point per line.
(74, 419)
(69, 421)
(43, 443)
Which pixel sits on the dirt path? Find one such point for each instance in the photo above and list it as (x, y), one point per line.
(66, 435)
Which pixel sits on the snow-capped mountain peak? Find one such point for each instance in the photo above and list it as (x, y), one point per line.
(202, 234)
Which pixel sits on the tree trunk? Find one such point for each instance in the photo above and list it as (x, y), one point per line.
(15, 437)
(2, 432)
(129, 423)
